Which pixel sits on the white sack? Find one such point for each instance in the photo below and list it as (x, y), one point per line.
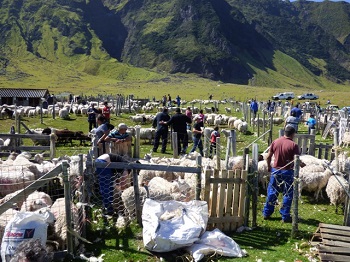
(215, 242)
(169, 225)
(23, 226)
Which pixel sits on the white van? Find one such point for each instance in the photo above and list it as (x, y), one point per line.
(285, 95)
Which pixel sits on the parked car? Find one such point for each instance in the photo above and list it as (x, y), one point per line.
(308, 96)
(285, 95)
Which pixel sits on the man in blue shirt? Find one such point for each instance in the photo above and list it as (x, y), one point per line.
(297, 111)
(254, 107)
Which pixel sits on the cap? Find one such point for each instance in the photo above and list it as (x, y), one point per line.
(122, 126)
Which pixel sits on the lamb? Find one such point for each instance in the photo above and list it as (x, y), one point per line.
(336, 189)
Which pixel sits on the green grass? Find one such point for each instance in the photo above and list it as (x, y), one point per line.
(270, 240)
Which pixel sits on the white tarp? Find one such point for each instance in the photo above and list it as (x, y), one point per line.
(170, 225)
(215, 242)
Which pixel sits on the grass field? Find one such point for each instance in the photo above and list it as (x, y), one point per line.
(270, 241)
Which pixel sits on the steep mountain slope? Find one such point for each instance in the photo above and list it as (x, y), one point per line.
(261, 42)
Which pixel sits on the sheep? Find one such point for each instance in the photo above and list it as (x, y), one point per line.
(277, 120)
(59, 211)
(147, 134)
(36, 201)
(314, 178)
(243, 127)
(336, 189)
(346, 139)
(236, 123)
(228, 109)
(63, 113)
(231, 121)
(14, 178)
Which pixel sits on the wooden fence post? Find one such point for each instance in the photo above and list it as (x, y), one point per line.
(233, 142)
(199, 178)
(295, 197)
(137, 142)
(218, 154)
(248, 190)
(52, 146)
(228, 151)
(255, 155)
(206, 139)
(137, 196)
(67, 198)
(175, 146)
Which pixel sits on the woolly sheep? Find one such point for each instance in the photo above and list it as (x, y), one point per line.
(346, 139)
(63, 113)
(314, 178)
(36, 201)
(336, 190)
(236, 123)
(59, 211)
(243, 127)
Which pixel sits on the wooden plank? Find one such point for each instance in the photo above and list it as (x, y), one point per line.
(31, 136)
(214, 196)
(335, 237)
(228, 219)
(346, 228)
(242, 189)
(337, 250)
(335, 232)
(207, 188)
(332, 257)
(225, 180)
(222, 195)
(25, 148)
(229, 196)
(335, 243)
(235, 203)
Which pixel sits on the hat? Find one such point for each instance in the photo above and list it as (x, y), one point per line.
(178, 110)
(122, 126)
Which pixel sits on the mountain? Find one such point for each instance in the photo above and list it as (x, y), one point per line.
(259, 42)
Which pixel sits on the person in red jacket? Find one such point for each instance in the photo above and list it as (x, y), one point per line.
(106, 112)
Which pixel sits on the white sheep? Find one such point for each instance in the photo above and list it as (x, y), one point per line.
(243, 127)
(228, 109)
(314, 178)
(346, 139)
(59, 211)
(63, 113)
(231, 121)
(336, 189)
(236, 123)
(36, 201)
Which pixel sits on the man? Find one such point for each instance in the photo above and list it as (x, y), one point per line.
(120, 135)
(92, 113)
(254, 107)
(106, 112)
(297, 111)
(197, 136)
(162, 130)
(282, 174)
(107, 178)
(179, 122)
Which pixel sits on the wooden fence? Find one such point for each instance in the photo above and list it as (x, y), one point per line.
(16, 145)
(225, 194)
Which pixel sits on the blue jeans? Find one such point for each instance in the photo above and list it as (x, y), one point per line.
(281, 181)
(197, 142)
(105, 179)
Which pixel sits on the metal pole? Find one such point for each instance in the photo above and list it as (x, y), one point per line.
(233, 142)
(295, 197)
(137, 196)
(175, 146)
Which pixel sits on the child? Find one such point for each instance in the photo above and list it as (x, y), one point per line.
(213, 137)
(311, 123)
